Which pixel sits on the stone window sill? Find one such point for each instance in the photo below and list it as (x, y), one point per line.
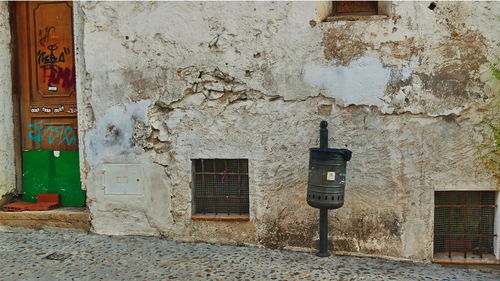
(213, 217)
(458, 258)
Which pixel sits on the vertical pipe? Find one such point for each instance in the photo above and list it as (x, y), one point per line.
(323, 135)
(323, 233)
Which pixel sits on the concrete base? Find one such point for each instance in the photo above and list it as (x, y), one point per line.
(64, 217)
(5, 199)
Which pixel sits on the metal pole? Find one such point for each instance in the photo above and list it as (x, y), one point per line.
(323, 134)
(323, 233)
(323, 212)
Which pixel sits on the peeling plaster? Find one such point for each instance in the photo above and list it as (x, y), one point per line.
(252, 80)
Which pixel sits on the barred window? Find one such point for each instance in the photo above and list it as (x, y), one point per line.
(464, 224)
(220, 188)
(355, 8)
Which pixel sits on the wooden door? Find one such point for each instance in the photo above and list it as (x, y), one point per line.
(46, 75)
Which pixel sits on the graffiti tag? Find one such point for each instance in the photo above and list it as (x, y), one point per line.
(56, 75)
(52, 133)
(224, 176)
(46, 34)
(49, 59)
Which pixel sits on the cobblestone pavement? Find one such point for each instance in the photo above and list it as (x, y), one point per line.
(71, 256)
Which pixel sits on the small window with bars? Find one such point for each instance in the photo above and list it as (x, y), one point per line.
(464, 224)
(361, 8)
(220, 189)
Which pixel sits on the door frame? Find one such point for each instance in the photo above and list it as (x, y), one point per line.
(17, 89)
(16, 97)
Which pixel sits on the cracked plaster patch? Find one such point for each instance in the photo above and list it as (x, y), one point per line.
(362, 82)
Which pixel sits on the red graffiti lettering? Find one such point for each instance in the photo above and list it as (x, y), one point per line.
(58, 76)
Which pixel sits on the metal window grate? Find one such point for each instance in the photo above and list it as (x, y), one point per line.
(463, 222)
(355, 8)
(221, 186)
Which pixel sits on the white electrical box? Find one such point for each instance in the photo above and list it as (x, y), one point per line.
(123, 179)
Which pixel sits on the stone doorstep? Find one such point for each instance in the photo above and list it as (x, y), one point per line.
(64, 217)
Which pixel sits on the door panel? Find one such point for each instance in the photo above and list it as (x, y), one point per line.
(51, 51)
(47, 75)
(53, 133)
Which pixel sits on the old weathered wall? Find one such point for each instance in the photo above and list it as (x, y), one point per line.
(7, 177)
(162, 83)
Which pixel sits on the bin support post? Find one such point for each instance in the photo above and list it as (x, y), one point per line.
(323, 135)
(323, 233)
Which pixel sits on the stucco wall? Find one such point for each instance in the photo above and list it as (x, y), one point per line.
(7, 176)
(162, 83)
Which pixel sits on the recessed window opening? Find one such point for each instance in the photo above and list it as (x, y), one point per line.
(464, 224)
(221, 186)
(359, 8)
(354, 10)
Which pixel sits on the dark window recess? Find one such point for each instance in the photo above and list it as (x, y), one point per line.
(221, 186)
(341, 8)
(463, 223)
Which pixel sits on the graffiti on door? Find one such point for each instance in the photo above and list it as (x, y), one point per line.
(45, 34)
(52, 133)
(51, 60)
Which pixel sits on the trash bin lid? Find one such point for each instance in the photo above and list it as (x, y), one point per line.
(345, 153)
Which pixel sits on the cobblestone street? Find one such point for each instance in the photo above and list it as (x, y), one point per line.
(70, 256)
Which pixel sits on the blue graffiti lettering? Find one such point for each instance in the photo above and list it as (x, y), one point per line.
(38, 128)
(68, 131)
(52, 133)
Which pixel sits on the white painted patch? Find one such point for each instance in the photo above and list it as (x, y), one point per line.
(113, 132)
(57, 153)
(362, 82)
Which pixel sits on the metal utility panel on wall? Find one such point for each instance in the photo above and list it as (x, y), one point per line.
(123, 179)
